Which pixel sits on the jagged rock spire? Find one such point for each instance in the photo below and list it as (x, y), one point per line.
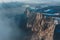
(42, 27)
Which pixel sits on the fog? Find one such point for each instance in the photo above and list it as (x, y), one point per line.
(11, 21)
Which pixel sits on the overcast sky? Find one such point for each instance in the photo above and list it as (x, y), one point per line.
(31, 1)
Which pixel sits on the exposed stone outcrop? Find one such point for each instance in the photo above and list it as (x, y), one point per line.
(41, 26)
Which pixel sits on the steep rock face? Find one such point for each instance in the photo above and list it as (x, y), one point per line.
(41, 26)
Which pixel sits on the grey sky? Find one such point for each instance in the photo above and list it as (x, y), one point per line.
(31, 1)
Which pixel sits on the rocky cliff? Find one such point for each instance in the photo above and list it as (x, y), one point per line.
(42, 27)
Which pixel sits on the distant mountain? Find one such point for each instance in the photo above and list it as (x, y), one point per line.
(11, 5)
(50, 9)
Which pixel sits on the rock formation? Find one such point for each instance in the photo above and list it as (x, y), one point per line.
(41, 26)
